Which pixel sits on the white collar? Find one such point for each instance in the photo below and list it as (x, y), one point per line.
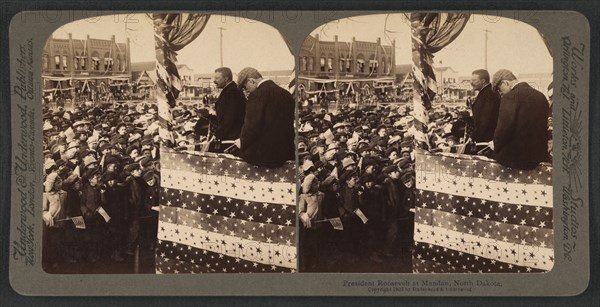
(261, 82)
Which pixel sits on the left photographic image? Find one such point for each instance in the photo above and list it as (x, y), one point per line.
(165, 151)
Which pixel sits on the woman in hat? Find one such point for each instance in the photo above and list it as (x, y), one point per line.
(53, 200)
(310, 211)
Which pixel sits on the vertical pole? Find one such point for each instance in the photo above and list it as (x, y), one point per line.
(486, 31)
(221, 43)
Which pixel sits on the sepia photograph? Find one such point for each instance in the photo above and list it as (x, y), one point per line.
(168, 146)
(425, 145)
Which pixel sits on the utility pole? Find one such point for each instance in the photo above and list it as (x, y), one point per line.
(486, 47)
(221, 43)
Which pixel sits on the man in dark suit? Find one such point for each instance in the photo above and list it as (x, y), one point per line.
(230, 107)
(485, 108)
(520, 139)
(267, 137)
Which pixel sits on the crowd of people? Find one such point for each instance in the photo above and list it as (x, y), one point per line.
(358, 178)
(357, 172)
(102, 172)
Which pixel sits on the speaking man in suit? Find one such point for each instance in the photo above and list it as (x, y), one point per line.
(485, 108)
(230, 106)
(521, 135)
(267, 136)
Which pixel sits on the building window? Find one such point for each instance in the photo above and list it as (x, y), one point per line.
(64, 62)
(348, 65)
(373, 65)
(322, 63)
(57, 62)
(303, 64)
(329, 64)
(76, 62)
(341, 65)
(311, 64)
(118, 63)
(124, 63)
(46, 61)
(82, 61)
(360, 65)
(108, 64)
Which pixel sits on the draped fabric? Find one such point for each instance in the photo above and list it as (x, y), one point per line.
(474, 215)
(545, 42)
(172, 32)
(551, 85)
(291, 86)
(430, 33)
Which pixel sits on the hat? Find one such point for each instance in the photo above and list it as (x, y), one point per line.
(501, 74)
(390, 168)
(109, 177)
(332, 146)
(244, 74)
(406, 176)
(367, 178)
(130, 149)
(60, 162)
(145, 162)
(307, 183)
(47, 126)
(134, 137)
(406, 144)
(348, 174)
(390, 150)
(104, 146)
(110, 159)
(402, 163)
(132, 167)
(91, 173)
(340, 125)
(394, 139)
(120, 125)
(149, 175)
(87, 160)
(319, 164)
(347, 161)
(49, 164)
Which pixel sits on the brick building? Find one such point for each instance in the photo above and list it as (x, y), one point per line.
(85, 68)
(345, 68)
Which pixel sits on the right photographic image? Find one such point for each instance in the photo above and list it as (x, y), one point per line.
(425, 145)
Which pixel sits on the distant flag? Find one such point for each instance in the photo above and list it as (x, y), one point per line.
(336, 223)
(103, 213)
(361, 215)
(79, 222)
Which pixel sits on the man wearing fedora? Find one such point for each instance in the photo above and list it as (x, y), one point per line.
(267, 136)
(521, 135)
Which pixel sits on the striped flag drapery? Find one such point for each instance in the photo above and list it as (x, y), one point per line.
(475, 215)
(430, 33)
(172, 32)
(220, 214)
